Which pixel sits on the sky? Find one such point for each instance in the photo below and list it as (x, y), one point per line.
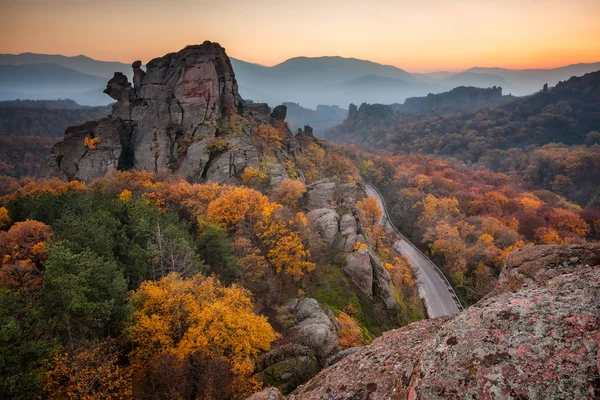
(416, 35)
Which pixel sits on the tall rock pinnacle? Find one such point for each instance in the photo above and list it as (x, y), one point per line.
(166, 119)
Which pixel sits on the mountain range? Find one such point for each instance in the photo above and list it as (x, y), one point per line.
(308, 81)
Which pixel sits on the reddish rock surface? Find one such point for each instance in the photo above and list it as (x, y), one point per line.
(166, 120)
(536, 337)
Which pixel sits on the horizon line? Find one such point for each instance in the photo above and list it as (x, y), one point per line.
(440, 70)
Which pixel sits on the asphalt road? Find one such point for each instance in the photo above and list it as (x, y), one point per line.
(432, 287)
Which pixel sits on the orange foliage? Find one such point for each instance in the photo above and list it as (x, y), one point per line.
(4, 218)
(235, 206)
(288, 192)
(185, 317)
(401, 272)
(22, 252)
(271, 136)
(91, 373)
(349, 333)
(125, 196)
(285, 249)
(253, 177)
(370, 211)
(38, 187)
(91, 143)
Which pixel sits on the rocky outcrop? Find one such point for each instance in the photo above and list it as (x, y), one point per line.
(167, 120)
(325, 222)
(360, 270)
(326, 200)
(279, 113)
(536, 337)
(306, 348)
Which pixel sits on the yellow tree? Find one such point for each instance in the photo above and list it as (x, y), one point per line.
(349, 333)
(183, 319)
(370, 211)
(288, 192)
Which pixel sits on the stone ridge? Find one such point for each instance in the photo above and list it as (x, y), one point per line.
(536, 337)
(166, 120)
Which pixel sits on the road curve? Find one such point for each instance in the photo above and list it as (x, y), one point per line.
(439, 297)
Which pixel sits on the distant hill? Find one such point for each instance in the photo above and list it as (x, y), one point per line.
(308, 81)
(83, 64)
(48, 118)
(51, 82)
(311, 81)
(324, 117)
(551, 139)
(336, 80)
(565, 114)
(480, 80)
(527, 81)
(44, 78)
(462, 98)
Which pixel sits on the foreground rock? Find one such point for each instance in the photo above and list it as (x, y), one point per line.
(536, 337)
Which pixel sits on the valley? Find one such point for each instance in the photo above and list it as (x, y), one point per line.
(194, 226)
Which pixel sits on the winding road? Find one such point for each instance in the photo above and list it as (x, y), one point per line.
(434, 289)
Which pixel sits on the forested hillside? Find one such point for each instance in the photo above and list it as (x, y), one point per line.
(44, 118)
(258, 269)
(508, 138)
(469, 219)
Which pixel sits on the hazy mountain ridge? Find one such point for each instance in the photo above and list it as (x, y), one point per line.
(308, 81)
(81, 63)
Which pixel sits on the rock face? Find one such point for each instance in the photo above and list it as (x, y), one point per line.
(307, 347)
(168, 119)
(326, 200)
(536, 337)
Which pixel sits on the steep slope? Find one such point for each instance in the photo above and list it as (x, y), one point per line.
(536, 336)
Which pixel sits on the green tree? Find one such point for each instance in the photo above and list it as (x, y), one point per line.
(217, 251)
(84, 295)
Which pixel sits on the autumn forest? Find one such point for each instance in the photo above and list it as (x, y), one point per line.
(186, 243)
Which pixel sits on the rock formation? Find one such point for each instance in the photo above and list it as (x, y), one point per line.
(307, 346)
(168, 119)
(333, 217)
(537, 336)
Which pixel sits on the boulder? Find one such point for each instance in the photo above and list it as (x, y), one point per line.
(382, 283)
(305, 349)
(277, 174)
(348, 233)
(314, 329)
(321, 194)
(536, 337)
(279, 113)
(325, 222)
(267, 394)
(358, 267)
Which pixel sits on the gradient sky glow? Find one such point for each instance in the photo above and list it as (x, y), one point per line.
(416, 35)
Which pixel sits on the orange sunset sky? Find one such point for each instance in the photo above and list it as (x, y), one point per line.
(416, 35)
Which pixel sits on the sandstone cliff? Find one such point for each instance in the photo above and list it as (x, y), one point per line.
(168, 119)
(537, 336)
